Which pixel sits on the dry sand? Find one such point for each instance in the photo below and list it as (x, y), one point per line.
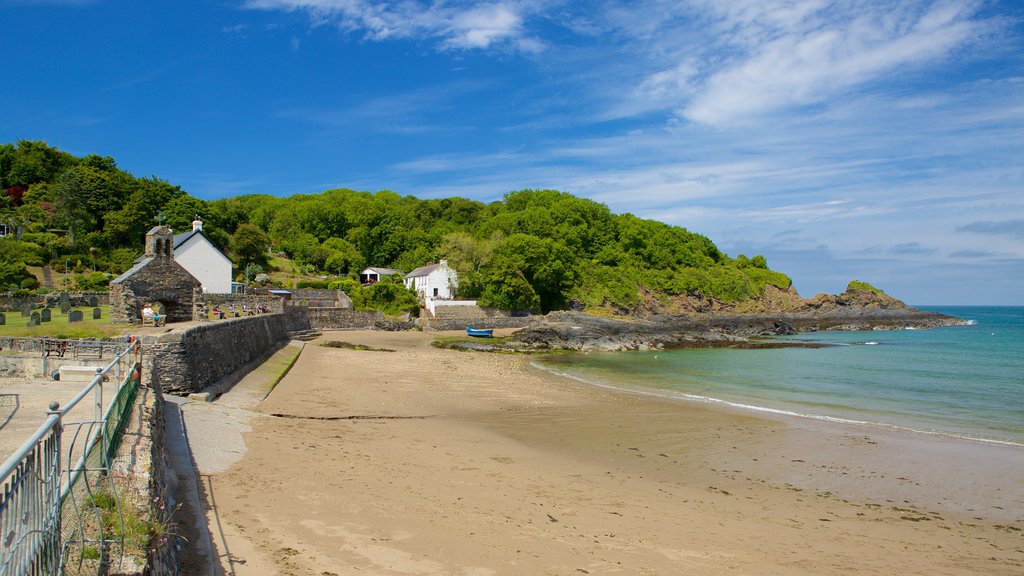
(436, 462)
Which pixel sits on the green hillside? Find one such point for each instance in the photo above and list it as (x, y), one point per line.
(535, 249)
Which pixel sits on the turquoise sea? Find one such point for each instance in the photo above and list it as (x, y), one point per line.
(963, 381)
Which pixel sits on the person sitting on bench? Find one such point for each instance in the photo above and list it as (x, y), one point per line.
(149, 315)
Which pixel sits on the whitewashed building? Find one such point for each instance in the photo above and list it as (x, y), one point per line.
(195, 253)
(433, 281)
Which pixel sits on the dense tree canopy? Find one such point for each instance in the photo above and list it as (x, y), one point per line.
(534, 249)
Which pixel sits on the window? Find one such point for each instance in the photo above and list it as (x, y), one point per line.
(435, 292)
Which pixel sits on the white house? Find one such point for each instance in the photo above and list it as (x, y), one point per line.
(374, 275)
(433, 281)
(203, 260)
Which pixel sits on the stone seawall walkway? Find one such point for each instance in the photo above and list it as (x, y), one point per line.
(205, 433)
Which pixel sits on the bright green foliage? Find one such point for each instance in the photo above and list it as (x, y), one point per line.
(389, 296)
(857, 285)
(12, 263)
(250, 243)
(93, 281)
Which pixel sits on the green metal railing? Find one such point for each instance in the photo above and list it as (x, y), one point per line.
(61, 511)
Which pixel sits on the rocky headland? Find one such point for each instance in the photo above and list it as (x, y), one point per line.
(689, 322)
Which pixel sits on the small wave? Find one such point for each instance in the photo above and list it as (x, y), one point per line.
(868, 343)
(972, 322)
(776, 411)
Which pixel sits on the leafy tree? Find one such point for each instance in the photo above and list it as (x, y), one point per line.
(12, 265)
(508, 289)
(250, 243)
(70, 203)
(34, 161)
(343, 258)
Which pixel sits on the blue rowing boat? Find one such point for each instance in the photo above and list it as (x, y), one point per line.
(479, 332)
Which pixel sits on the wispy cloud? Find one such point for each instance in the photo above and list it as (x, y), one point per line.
(1013, 228)
(763, 56)
(453, 25)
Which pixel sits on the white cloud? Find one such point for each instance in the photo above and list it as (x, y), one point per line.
(806, 56)
(457, 25)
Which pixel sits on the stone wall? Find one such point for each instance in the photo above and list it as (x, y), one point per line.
(339, 318)
(144, 452)
(320, 297)
(461, 323)
(192, 359)
(11, 303)
(271, 303)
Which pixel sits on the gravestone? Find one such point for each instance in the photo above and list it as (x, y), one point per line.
(64, 308)
(3, 319)
(26, 309)
(75, 316)
(95, 313)
(93, 301)
(34, 319)
(45, 316)
(16, 303)
(65, 299)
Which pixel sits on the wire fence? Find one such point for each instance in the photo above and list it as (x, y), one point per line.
(62, 508)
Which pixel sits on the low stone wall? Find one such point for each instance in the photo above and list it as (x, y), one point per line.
(42, 367)
(26, 358)
(192, 359)
(340, 318)
(271, 303)
(9, 303)
(321, 295)
(461, 323)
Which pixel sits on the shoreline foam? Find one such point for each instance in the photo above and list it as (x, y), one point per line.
(710, 400)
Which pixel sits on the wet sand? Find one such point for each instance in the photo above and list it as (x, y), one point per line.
(437, 462)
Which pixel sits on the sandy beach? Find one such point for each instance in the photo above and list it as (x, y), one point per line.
(437, 462)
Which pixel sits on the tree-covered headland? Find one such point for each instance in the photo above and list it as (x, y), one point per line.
(534, 249)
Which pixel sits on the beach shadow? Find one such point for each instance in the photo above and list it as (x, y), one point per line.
(199, 554)
(220, 540)
(9, 404)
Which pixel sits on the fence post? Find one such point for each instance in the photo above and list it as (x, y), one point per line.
(53, 548)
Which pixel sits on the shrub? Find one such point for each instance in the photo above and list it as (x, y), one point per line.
(857, 285)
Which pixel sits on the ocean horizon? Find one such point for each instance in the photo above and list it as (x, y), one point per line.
(962, 382)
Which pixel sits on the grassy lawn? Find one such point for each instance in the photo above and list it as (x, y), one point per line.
(59, 327)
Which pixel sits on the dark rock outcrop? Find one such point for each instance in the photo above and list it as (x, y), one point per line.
(577, 331)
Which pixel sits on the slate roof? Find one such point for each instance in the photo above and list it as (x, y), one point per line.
(423, 271)
(180, 239)
(139, 263)
(383, 271)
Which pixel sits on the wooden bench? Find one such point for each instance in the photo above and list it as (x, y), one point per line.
(148, 320)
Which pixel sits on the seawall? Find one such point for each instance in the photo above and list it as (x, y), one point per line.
(190, 360)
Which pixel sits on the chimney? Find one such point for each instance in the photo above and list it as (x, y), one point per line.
(197, 224)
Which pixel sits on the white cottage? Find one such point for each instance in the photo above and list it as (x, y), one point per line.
(202, 259)
(433, 281)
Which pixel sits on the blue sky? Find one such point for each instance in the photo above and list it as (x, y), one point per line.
(880, 141)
